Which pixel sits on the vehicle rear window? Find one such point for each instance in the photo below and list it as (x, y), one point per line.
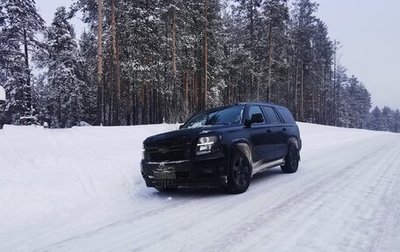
(272, 117)
(286, 115)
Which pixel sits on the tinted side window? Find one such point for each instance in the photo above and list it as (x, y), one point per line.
(255, 110)
(272, 117)
(286, 115)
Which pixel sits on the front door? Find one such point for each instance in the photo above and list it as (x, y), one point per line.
(258, 136)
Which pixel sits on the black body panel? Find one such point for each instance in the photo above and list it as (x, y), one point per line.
(199, 154)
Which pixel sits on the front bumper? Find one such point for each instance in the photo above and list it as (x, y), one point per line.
(202, 172)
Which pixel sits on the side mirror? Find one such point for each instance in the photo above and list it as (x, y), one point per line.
(181, 126)
(255, 118)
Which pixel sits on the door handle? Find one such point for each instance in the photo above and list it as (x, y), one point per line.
(269, 131)
(284, 129)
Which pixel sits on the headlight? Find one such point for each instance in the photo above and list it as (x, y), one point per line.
(205, 144)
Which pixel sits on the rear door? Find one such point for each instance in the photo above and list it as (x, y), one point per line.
(276, 134)
(290, 124)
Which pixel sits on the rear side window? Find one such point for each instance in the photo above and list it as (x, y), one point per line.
(272, 117)
(286, 115)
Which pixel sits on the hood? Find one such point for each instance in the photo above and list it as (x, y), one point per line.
(182, 136)
(176, 137)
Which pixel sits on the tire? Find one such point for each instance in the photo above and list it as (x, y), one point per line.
(239, 174)
(166, 187)
(291, 160)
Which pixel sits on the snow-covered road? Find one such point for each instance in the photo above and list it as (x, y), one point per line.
(80, 189)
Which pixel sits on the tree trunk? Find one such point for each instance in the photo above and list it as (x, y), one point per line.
(116, 66)
(129, 104)
(186, 81)
(173, 34)
(205, 52)
(302, 94)
(288, 87)
(251, 92)
(100, 86)
(296, 98)
(27, 88)
(269, 62)
(194, 88)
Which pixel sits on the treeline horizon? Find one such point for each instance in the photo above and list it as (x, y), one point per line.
(153, 61)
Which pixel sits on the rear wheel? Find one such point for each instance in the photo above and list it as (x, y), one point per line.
(239, 174)
(291, 160)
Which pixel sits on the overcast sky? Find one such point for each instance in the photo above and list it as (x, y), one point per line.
(369, 32)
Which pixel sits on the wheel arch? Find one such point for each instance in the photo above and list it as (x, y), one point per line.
(244, 147)
(293, 140)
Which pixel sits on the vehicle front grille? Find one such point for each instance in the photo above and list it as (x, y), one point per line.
(170, 155)
(176, 149)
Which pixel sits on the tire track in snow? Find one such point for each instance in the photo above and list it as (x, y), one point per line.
(381, 192)
(310, 197)
(316, 198)
(351, 207)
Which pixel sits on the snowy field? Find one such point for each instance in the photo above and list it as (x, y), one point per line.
(80, 189)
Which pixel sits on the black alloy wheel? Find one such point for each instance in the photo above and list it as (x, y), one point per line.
(239, 174)
(291, 160)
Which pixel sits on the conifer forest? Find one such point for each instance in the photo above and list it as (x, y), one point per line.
(154, 61)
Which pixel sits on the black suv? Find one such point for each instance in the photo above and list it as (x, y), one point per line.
(223, 146)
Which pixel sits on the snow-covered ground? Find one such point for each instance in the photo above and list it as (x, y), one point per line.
(80, 189)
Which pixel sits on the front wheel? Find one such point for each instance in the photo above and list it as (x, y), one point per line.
(239, 174)
(166, 186)
(291, 160)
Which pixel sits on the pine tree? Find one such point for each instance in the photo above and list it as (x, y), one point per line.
(396, 121)
(360, 103)
(274, 46)
(319, 78)
(303, 26)
(86, 71)
(216, 84)
(248, 19)
(374, 121)
(19, 25)
(386, 119)
(64, 96)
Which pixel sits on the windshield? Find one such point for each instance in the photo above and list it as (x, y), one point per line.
(222, 116)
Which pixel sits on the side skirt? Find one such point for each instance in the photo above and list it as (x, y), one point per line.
(266, 166)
